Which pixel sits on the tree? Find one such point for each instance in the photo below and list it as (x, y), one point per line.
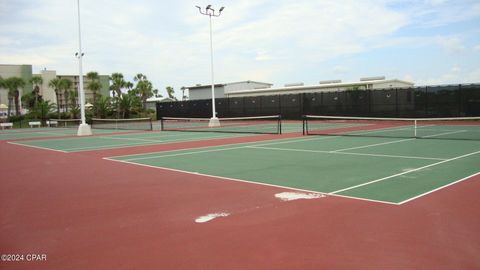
(42, 109)
(128, 104)
(117, 84)
(170, 92)
(28, 100)
(94, 85)
(75, 109)
(13, 84)
(56, 85)
(2, 84)
(36, 80)
(103, 106)
(66, 85)
(155, 92)
(144, 89)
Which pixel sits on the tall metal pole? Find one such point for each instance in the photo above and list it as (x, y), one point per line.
(209, 11)
(83, 128)
(214, 112)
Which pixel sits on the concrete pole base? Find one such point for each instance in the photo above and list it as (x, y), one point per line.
(214, 122)
(84, 130)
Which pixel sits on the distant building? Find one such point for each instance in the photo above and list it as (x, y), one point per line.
(223, 90)
(103, 79)
(152, 101)
(47, 93)
(324, 86)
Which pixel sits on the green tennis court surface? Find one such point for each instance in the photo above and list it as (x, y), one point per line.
(75, 144)
(31, 133)
(380, 169)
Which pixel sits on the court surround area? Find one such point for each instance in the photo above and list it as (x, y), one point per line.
(336, 193)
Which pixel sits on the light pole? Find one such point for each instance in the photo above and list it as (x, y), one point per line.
(83, 129)
(209, 11)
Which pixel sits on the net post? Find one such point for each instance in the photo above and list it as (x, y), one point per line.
(151, 124)
(161, 124)
(415, 128)
(304, 119)
(279, 124)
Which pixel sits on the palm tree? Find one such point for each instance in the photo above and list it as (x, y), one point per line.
(28, 100)
(56, 85)
(170, 92)
(75, 109)
(12, 84)
(2, 84)
(66, 85)
(103, 106)
(94, 84)
(129, 86)
(36, 80)
(144, 89)
(125, 105)
(117, 84)
(42, 109)
(155, 92)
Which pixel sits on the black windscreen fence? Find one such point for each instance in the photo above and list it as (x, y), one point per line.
(430, 101)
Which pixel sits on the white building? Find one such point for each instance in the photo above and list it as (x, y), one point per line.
(223, 90)
(324, 86)
(48, 93)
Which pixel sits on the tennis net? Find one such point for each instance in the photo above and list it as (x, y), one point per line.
(122, 124)
(256, 124)
(460, 128)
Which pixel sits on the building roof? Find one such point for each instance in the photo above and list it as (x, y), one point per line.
(159, 99)
(203, 86)
(224, 84)
(322, 86)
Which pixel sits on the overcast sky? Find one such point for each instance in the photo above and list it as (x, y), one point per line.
(275, 41)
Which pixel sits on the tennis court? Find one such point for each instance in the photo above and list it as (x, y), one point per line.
(385, 169)
(46, 132)
(345, 199)
(76, 144)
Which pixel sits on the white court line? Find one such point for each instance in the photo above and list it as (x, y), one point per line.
(184, 154)
(275, 141)
(204, 151)
(343, 153)
(398, 141)
(141, 144)
(38, 147)
(402, 173)
(248, 182)
(439, 188)
(371, 145)
(258, 145)
(129, 139)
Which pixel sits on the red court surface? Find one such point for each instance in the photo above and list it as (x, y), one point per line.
(84, 212)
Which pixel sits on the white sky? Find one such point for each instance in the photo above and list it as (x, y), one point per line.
(275, 41)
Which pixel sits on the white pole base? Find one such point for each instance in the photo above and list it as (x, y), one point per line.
(214, 122)
(84, 130)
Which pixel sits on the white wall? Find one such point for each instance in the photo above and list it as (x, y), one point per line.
(47, 92)
(232, 87)
(205, 93)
